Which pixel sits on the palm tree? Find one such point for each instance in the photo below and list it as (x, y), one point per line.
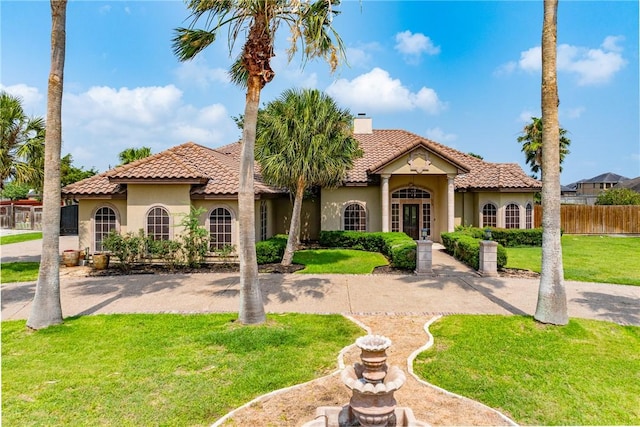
(132, 154)
(46, 309)
(552, 298)
(531, 140)
(310, 27)
(304, 140)
(22, 145)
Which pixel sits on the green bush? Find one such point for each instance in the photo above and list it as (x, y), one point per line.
(466, 248)
(271, 250)
(507, 237)
(128, 248)
(398, 247)
(618, 196)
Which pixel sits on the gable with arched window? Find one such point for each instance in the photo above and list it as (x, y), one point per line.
(489, 215)
(512, 216)
(158, 223)
(105, 220)
(220, 228)
(354, 217)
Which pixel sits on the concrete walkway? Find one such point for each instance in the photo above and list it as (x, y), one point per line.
(454, 288)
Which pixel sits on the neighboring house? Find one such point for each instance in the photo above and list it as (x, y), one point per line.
(633, 184)
(404, 182)
(597, 184)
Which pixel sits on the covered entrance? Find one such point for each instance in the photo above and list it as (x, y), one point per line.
(411, 211)
(410, 220)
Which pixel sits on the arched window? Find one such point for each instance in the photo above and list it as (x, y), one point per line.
(263, 220)
(158, 223)
(219, 229)
(104, 221)
(512, 216)
(489, 215)
(528, 218)
(355, 218)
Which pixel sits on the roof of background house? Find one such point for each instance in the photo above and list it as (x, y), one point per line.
(605, 177)
(633, 184)
(215, 171)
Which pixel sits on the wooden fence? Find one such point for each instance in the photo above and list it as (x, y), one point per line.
(21, 217)
(585, 219)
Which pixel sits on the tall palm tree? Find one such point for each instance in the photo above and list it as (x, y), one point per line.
(310, 27)
(552, 298)
(304, 139)
(46, 309)
(132, 154)
(531, 140)
(22, 145)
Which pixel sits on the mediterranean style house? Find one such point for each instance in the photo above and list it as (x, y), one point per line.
(403, 182)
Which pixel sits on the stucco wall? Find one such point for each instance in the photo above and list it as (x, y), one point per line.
(309, 217)
(334, 202)
(175, 198)
(501, 200)
(86, 211)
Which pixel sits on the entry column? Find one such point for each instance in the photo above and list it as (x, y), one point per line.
(385, 202)
(450, 202)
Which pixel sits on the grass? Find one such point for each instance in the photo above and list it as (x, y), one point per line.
(338, 261)
(585, 373)
(168, 369)
(601, 259)
(22, 271)
(17, 238)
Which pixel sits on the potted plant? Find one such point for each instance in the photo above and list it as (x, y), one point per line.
(101, 260)
(70, 257)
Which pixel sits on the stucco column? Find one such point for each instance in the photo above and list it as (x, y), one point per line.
(450, 202)
(385, 202)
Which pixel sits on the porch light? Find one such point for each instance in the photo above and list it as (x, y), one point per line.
(487, 233)
(425, 234)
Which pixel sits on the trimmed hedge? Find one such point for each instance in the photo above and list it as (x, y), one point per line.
(271, 250)
(398, 247)
(507, 237)
(466, 248)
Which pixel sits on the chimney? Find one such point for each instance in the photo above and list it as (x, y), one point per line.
(362, 124)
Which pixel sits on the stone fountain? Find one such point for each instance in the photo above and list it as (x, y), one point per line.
(372, 384)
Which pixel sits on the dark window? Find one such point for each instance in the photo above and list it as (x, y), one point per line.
(355, 218)
(489, 215)
(512, 216)
(158, 224)
(219, 229)
(104, 223)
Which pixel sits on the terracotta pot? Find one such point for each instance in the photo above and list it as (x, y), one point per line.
(70, 257)
(101, 261)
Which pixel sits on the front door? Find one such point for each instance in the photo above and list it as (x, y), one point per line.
(410, 221)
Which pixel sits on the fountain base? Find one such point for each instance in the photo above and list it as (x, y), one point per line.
(336, 416)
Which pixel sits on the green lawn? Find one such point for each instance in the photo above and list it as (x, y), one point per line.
(586, 373)
(17, 238)
(338, 261)
(588, 259)
(19, 271)
(167, 369)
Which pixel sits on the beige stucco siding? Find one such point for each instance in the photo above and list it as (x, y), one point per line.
(309, 217)
(175, 198)
(86, 211)
(409, 164)
(501, 200)
(334, 202)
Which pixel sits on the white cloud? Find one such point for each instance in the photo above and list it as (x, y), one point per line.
(506, 69)
(438, 135)
(103, 121)
(377, 91)
(32, 99)
(199, 73)
(525, 116)
(573, 113)
(414, 45)
(591, 66)
(361, 56)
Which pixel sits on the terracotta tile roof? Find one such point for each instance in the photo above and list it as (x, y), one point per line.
(217, 169)
(384, 146)
(190, 162)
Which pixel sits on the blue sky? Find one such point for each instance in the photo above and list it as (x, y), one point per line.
(465, 74)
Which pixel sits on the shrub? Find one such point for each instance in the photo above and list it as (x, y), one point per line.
(466, 248)
(167, 250)
(507, 237)
(398, 247)
(195, 238)
(128, 248)
(271, 250)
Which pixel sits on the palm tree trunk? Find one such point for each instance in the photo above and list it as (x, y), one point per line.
(251, 305)
(46, 309)
(294, 228)
(552, 298)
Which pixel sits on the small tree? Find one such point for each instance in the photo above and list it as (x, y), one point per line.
(132, 154)
(531, 140)
(618, 196)
(194, 238)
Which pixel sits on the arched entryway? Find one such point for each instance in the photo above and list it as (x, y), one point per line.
(411, 211)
